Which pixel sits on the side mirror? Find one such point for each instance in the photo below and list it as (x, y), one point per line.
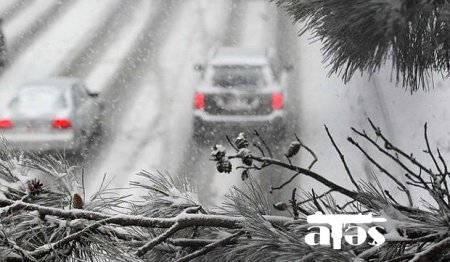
(288, 67)
(199, 67)
(93, 94)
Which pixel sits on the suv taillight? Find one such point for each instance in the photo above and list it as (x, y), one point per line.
(199, 100)
(6, 123)
(61, 123)
(277, 100)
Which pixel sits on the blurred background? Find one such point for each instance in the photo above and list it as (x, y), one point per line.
(135, 60)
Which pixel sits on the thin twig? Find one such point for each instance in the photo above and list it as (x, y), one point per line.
(82, 181)
(318, 197)
(383, 170)
(390, 146)
(285, 183)
(9, 209)
(347, 169)
(309, 173)
(316, 203)
(445, 173)
(315, 159)
(444, 176)
(294, 204)
(231, 143)
(263, 142)
(346, 204)
(391, 197)
(210, 247)
(259, 148)
(425, 134)
(47, 248)
(26, 256)
(164, 236)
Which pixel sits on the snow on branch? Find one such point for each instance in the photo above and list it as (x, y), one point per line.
(41, 221)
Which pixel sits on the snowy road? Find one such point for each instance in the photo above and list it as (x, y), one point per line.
(139, 55)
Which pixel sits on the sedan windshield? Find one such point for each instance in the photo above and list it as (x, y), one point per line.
(230, 76)
(38, 100)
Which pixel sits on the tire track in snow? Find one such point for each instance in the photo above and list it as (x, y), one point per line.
(232, 35)
(151, 125)
(171, 92)
(84, 59)
(13, 10)
(195, 162)
(283, 36)
(18, 41)
(48, 52)
(124, 87)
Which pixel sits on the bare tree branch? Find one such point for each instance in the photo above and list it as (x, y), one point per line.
(383, 170)
(347, 169)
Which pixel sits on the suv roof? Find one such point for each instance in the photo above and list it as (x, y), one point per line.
(240, 56)
(61, 82)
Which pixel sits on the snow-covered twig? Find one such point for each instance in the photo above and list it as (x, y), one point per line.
(209, 247)
(164, 236)
(47, 248)
(141, 221)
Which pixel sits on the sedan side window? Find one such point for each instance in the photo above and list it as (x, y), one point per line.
(79, 94)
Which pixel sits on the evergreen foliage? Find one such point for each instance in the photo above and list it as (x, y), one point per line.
(361, 35)
(45, 216)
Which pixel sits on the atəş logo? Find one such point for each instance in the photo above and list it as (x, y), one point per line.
(354, 235)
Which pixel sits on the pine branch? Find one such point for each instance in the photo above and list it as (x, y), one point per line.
(210, 247)
(47, 248)
(306, 172)
(361, 35)
(142, 221)
(434, 252)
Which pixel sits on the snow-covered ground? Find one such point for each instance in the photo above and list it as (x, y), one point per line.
(48, 53)
(154, 130)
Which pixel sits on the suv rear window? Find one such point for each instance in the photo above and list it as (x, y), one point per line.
(38, 99)
(232, 76)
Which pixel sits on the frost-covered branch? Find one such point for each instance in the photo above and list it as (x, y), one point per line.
(48, 220)
(209, 247)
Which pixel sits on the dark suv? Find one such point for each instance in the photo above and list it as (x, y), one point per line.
(240, 89)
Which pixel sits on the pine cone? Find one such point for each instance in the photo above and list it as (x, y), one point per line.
(35, 186)
(77, 201)
(244, 174)
(281, 206)
(241, 141)
(293, 149)
(224, 165)
(246, 156)
(218, 152)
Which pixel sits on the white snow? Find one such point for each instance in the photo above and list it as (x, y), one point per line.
(160, 108)
(49, 52)
(257, 31)
(158, 128)
(6, 4)
(15, 28)
(110, 62)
